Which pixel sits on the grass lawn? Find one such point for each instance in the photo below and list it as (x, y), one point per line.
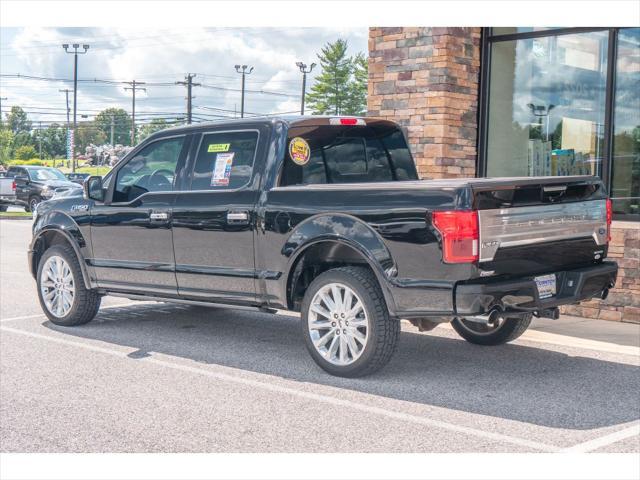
(14, 214)
(89, 170)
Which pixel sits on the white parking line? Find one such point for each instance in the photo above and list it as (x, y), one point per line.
(264, 385)
(27, 317)
(600, 442)
(568, 341)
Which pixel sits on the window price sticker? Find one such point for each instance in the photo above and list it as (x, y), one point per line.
(222, 169)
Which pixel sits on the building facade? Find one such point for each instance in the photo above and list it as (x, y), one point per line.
(523, 102)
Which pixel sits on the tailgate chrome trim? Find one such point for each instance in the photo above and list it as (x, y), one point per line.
(511, 227)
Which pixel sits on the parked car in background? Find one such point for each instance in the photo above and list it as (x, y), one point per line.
(7, 193)
(324, 216)
(35, 184)
(77, 177)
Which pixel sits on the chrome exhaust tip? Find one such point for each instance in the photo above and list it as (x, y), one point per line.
(486, 319)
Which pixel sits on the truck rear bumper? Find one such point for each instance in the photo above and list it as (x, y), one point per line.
(521, 294)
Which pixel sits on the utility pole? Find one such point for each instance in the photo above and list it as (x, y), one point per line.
(66, 94)
(243, 70)
(1, 99)
(189, 84)
(75, 52)
(113, 124)
(303, 69)
(133, 89)
(40, 137)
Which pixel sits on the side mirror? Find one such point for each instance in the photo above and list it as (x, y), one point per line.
(93, 189)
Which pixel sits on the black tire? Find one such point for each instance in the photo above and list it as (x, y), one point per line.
(33, 202)
(383, 330)
(3, 208)
(509, 330)
(86, 303)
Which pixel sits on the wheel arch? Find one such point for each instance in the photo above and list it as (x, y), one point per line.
(50, 236)
(329, 241)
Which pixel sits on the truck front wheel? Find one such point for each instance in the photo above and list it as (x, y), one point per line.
(503, 331)
(346, 324)
(61, 290)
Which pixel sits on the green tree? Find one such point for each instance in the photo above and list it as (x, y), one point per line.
(6, 145)
(154, 126)
(357, 93)
(121, 125)
(54, 141)
(26, 152)
(341, 86)
(18, 121)
(86, 134)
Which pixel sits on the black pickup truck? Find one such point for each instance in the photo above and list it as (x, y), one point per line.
(325, 216)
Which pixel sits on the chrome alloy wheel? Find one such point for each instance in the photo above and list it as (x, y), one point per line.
(338, 324)
(57, 286)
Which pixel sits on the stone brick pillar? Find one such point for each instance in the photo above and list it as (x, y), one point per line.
(427, 80)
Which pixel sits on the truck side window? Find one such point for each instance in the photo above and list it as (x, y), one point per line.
(150, 170)
(225, 160)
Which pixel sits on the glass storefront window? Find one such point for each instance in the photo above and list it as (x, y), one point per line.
(547, 105)
(510, 30)
(625, 165)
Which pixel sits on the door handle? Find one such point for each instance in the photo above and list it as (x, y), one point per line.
(159, 216)
(237, 217)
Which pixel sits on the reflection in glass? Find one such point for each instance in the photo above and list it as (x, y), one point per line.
(547, 105)
(625, 184)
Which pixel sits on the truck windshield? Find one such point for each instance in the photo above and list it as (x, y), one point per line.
(346, 154)
(42, 174)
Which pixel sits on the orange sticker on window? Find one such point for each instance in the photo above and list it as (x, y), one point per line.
(299, 151)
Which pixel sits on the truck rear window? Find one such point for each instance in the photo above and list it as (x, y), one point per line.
(346, 154)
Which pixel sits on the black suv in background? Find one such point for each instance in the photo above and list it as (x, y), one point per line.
(325, 216)
(35, 184)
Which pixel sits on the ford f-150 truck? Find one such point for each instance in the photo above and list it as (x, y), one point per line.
(34, 184)
(324, 216)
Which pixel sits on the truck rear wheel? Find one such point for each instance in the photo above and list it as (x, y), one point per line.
(346, 324)
(33, 203)
(61, 290)
(505, 330)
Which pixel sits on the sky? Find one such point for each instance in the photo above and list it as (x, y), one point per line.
(162, 57)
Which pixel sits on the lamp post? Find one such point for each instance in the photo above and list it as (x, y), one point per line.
(243, 70)
(76, 52)
(303, 69)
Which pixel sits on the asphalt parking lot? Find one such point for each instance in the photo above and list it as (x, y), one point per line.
(163, 378)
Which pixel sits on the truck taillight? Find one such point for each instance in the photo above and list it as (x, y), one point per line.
(13, 185)
(460, 233)
(609, 218)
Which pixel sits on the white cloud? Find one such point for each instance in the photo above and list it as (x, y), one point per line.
(165, 56)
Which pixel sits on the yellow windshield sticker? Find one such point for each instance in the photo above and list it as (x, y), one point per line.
(299, 151)
(218, 147)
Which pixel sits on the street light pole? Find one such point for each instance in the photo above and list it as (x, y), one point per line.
(303, 69)
(243, 70)
(75, 52)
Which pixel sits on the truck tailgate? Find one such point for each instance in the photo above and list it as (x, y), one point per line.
(543, 224)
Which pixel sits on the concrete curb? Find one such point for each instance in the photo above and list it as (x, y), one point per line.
(16, 218)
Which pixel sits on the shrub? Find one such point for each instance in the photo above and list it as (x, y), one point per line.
(33, 161)
(25, 152)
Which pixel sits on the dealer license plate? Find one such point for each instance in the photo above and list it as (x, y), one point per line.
(546, 285)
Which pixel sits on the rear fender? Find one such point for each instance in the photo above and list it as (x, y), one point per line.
(347, 230)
